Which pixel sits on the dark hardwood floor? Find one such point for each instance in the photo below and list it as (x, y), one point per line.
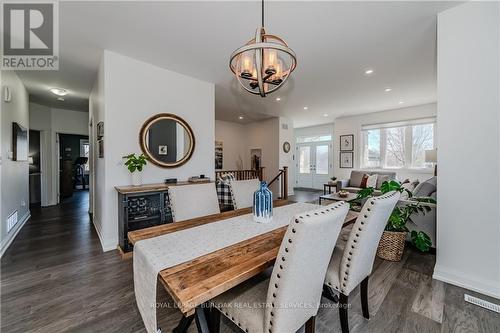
(55, 278)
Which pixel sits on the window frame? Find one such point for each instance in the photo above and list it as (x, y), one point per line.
(86, 168)
(408, 144)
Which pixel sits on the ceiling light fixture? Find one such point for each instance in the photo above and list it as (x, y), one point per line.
(264, 63)
(387, 89)
(278, 99)
(58, 91)
(60, 99)
(325, 114)
(369, 71)
(305, 108)
(241, 117)
(401, 102)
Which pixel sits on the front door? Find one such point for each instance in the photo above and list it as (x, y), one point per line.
(313, 164)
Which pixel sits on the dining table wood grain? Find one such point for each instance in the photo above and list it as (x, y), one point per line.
(195, 282)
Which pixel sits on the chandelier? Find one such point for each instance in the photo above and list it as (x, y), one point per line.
(264, 63)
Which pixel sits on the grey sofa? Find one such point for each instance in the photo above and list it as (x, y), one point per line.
(425, 222)
(352, 184)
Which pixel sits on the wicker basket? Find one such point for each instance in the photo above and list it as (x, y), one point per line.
(391, 245)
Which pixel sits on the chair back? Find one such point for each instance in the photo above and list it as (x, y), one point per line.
(296, 282)
(191, 201)
(242, 192)
(361, 247)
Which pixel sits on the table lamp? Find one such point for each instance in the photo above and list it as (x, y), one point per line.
(431, 157)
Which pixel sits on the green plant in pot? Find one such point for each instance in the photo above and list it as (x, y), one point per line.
(393, 239)
(332, 180)
(135, 164)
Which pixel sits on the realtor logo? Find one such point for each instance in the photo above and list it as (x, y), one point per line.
(30, 36)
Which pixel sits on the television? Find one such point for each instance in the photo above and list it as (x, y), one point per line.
(19, 143)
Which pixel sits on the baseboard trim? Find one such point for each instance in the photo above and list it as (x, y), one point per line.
(459, 279)
(12, 235)
(105, 247)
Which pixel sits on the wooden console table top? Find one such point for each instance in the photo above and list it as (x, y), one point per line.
(127, 189)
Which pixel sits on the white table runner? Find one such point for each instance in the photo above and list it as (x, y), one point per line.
(156, 254)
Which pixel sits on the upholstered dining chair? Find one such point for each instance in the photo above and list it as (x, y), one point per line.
(352, 260)
(242, 192)
(291, 296)
(191, 201)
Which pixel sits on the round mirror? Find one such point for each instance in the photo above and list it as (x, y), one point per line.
(167, 140)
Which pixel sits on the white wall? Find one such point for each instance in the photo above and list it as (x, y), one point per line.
(132, 92)
(97, 189)
(233, 137)
(50, 121)
(352, 125)
(264, 135)
(14, 174)
(468, 218)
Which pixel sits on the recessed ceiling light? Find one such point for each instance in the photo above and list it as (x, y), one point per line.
(401, 102)
(369, 71)
(241, 117)
(58, 91)
(387, 89)
(305, 108)
(278, 99)
(60, 99)
(325, 114)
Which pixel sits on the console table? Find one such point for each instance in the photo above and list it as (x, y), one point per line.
(142, 207)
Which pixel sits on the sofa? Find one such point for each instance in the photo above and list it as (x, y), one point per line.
(353, 184)
(425, 222)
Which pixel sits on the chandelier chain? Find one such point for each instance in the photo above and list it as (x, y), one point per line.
(262, 13)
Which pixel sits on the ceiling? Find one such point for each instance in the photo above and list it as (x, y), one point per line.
(335, 43)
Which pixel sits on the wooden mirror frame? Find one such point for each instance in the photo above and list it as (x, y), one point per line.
(144, 130)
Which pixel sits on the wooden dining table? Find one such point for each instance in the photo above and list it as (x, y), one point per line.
(193, 283)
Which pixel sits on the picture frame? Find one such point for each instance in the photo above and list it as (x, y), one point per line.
(100, 148)
(100, 130)
(162, 150)
(346, 160)
(218, 155)
(347, 142)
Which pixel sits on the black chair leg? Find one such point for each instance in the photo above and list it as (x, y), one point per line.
(329, 294)
(311, 325)
(214, 320)
(364, 298)
(343, 307)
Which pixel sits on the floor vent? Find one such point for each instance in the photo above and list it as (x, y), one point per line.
(11, 221)
(482, 303)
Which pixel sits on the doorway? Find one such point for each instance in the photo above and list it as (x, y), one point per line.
(314, 166)
(73, 164)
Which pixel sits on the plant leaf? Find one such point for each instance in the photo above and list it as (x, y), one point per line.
(421, 240)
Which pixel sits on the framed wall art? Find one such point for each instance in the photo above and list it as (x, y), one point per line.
(346, 160)
(347, 142)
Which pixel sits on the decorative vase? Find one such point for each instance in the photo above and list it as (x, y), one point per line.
(263, 204)
(136, 178)
(391, 245)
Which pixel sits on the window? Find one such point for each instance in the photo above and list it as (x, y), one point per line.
(315, 138)
(85, 152)
(398, 145)
(305, 159)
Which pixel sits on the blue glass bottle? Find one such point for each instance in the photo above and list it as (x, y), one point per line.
(263, 204)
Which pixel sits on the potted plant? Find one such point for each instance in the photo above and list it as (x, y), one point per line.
(332, 181)
(135, 164)
(392, 242)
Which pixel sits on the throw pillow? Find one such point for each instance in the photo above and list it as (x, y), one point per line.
(364, 180)
(372, 181)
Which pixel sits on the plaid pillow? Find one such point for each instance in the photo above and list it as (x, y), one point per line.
(224, 190)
